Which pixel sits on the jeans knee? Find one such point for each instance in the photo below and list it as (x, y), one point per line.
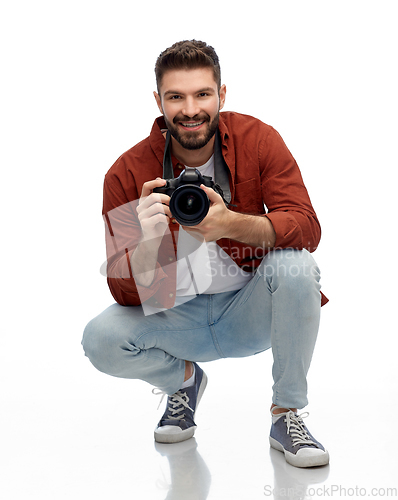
(292, 269)
(96, 345)
(90, 340)
(107, 346)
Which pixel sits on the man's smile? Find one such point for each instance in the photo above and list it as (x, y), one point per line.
(191, 126)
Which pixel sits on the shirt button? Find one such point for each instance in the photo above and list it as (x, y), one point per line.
(171, 259)
(171, 295)
(180, 166)
(173, 220)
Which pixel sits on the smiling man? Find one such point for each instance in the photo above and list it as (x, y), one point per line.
(238, 282)
(191, 113)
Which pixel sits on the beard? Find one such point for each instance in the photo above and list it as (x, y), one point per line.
(197, 139)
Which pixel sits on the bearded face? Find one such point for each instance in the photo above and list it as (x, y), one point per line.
(190, 102)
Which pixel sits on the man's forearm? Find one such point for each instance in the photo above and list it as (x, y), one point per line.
(143, 262)
(221, 222)
(251, 229)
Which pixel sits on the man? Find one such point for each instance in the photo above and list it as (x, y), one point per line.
(237, 283)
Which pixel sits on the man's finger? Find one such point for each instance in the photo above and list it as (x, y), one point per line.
(149, 186)
(211, 194)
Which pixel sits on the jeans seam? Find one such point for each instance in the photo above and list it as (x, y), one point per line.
(154, 330)
(277, 351)
(212, 329)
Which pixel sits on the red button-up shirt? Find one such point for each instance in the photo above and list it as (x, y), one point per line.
(264, 180)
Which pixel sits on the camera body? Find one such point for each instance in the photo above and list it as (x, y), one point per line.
(189, 204)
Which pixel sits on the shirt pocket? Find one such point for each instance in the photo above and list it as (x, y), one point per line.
(248, 197)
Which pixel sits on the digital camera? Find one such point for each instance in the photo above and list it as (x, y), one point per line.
(189, 204)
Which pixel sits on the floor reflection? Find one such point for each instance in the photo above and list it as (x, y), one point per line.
(293, 483)
(187, 477)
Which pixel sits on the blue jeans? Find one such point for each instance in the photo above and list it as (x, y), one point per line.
(278, 308)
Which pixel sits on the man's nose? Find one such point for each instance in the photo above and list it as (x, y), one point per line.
(191, 107)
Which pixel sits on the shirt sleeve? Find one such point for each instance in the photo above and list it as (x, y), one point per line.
(285, 195)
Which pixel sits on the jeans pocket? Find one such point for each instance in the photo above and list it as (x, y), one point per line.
(242, 296)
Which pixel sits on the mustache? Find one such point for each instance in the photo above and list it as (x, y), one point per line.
(197, 118)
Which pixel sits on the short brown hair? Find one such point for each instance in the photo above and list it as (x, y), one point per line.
(188, 54)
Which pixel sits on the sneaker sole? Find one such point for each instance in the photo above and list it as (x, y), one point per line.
(176, 434)
(311, 461)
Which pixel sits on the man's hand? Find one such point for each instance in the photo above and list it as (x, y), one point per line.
(214, 225)
(153, 210)
(220, 222)
(153, 214)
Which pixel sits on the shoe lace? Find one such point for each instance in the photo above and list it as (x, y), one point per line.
(297, 429)
(177, 402)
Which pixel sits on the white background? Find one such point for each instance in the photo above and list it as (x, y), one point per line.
(76, 92)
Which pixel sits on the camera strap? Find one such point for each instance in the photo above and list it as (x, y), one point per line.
(167, 163)
(220, 166)
(221, 169)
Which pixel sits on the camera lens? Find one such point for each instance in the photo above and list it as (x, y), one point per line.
(189, 205)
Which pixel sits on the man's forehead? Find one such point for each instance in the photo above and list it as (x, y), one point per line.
(188, 80)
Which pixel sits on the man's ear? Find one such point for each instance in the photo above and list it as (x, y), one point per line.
(223, 93)
(158, 101)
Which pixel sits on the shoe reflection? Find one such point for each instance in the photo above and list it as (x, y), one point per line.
(293, 483)
(188, 477)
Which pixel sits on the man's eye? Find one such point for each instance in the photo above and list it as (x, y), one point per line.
(203, 94)
(175, 97)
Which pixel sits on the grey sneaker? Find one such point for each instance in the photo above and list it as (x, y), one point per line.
(177, 423)
(290, 435)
